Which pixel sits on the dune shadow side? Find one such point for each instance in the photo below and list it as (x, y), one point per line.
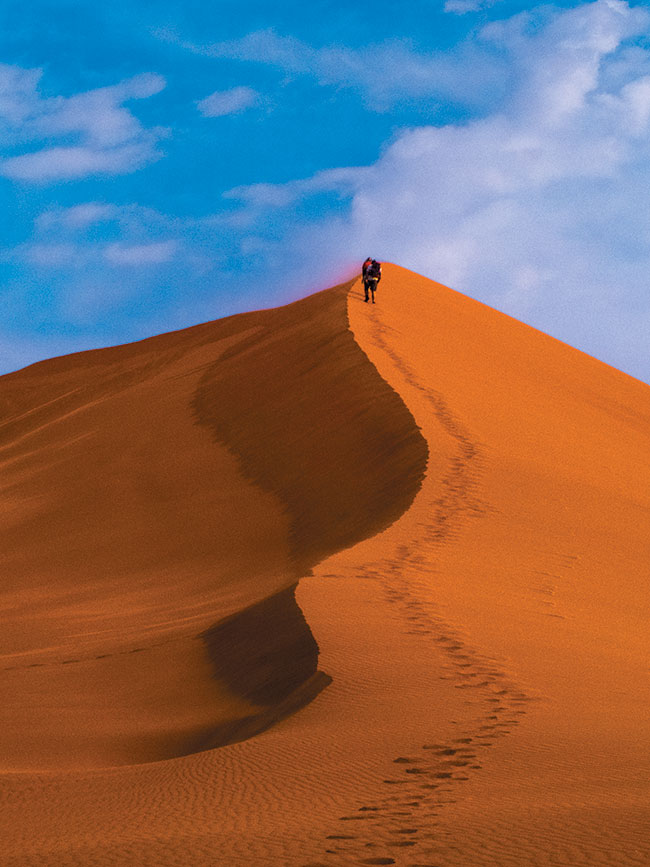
(312, 422)
(264, 652)
(267, 655)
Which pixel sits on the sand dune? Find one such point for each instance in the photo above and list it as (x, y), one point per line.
(460, 676)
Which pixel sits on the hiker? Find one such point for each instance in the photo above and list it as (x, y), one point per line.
(371, 273)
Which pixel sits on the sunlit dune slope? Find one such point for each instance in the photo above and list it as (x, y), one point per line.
(535, 535)
(153, 489)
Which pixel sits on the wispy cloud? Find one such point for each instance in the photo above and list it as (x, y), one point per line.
(131, 220)
(462, 7)
(140, 255)
(100, 235)
(223, 102)
(77, 216)
(50, 255)
(107, 139)
(90, 268)
(344, 180)
(382, 73)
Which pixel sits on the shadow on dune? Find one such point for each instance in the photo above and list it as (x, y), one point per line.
(267, 655)
(264, 652)
(312, 422)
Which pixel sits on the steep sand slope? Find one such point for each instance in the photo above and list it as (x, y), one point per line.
(131, 528)
(488, 649)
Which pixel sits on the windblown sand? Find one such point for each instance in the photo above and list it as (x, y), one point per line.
(460, 677)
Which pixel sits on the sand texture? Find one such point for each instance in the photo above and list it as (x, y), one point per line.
(328, 584)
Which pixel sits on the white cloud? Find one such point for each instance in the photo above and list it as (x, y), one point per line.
(462, 7)
(88, 237)
(17, 93)
(130, 255)
(133, 220)
(282, 195)
(109, 138)
(223, 102)
(50, 255)
(73, 163)
(382, 73)
(78, 216)
(541, 208)
(79, 255)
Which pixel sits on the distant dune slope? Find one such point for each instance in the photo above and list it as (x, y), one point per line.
(151, 490)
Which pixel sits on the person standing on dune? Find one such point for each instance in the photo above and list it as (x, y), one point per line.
(371, 274)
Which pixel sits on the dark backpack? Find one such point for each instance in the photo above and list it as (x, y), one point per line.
(374, 270)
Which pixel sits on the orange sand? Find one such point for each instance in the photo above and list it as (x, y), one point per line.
(478, 594)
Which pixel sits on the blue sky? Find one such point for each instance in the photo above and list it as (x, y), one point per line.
(166, 163)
